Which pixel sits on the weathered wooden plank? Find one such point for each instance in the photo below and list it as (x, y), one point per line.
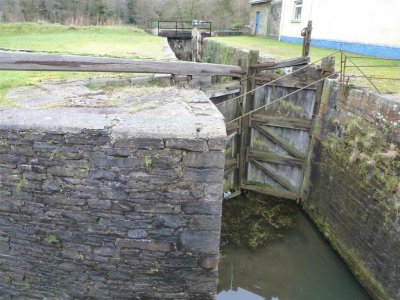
(321, 100)
(290, 82)
(46, 62)
(232, 127)
(200, 82)
(221, 93)
(228, 171)
(270, 191)
(282, 143)
(229, 163)
(222, 89)
(275, 158)
(283, 63)
(281, 122)
(279, 179)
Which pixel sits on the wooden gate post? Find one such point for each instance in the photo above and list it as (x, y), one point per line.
(319, 113)
(246, 105)
(306, 34)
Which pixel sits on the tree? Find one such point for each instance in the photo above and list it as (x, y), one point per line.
(227, 10)
(43, 11)
(222, 13)
(131, 11)
(28, 9)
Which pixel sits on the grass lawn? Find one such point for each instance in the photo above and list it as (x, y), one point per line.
(127, 42)
(282, 50)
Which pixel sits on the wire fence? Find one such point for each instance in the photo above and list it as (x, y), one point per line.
(381, 74)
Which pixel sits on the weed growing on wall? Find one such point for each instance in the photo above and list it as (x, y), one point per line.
(367, 150)
(7, 279)
(23, 183)
(147, 161)
(53, 240)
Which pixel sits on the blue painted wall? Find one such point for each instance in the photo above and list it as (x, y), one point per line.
(360, 48)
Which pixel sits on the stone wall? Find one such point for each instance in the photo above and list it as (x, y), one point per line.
(101, 203)
(181, 47)
(216, 52)
(262, 26)
(353, 192)
(274, 19)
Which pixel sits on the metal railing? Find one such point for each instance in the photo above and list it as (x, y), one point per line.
(360, 70)
(182, 26)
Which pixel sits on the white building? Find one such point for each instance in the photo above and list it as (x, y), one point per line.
(361, 26)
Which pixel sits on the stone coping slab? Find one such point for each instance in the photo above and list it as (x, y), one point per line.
(127, 110)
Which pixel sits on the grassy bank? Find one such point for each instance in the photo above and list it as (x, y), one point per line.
(282, 50)
(127, 42)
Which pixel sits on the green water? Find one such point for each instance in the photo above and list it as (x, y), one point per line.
(299, 266)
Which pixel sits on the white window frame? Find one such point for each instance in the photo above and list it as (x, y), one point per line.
(297, 10)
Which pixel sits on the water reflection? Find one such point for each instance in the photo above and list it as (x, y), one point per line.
(239, 294)
(300, 265)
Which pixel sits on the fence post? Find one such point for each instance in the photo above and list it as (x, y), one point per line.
(306, 34)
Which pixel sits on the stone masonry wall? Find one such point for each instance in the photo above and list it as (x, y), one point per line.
(274, 19)
(182, 48)
(106, 203)
(81, 216)
(216, 52)
(358, 216)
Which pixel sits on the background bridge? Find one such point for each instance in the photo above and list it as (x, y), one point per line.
(182, 29)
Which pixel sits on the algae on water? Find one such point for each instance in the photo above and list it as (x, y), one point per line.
(253, 220)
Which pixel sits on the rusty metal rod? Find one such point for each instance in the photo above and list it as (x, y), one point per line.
(373, 77)
(371, 66)
(369, 57)
(359, 69)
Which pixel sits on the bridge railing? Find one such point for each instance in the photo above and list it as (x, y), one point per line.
(182, 26)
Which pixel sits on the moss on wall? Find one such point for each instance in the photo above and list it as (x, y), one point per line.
(353, 186)
(365, 149)
(219, 53)
(355, 203)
